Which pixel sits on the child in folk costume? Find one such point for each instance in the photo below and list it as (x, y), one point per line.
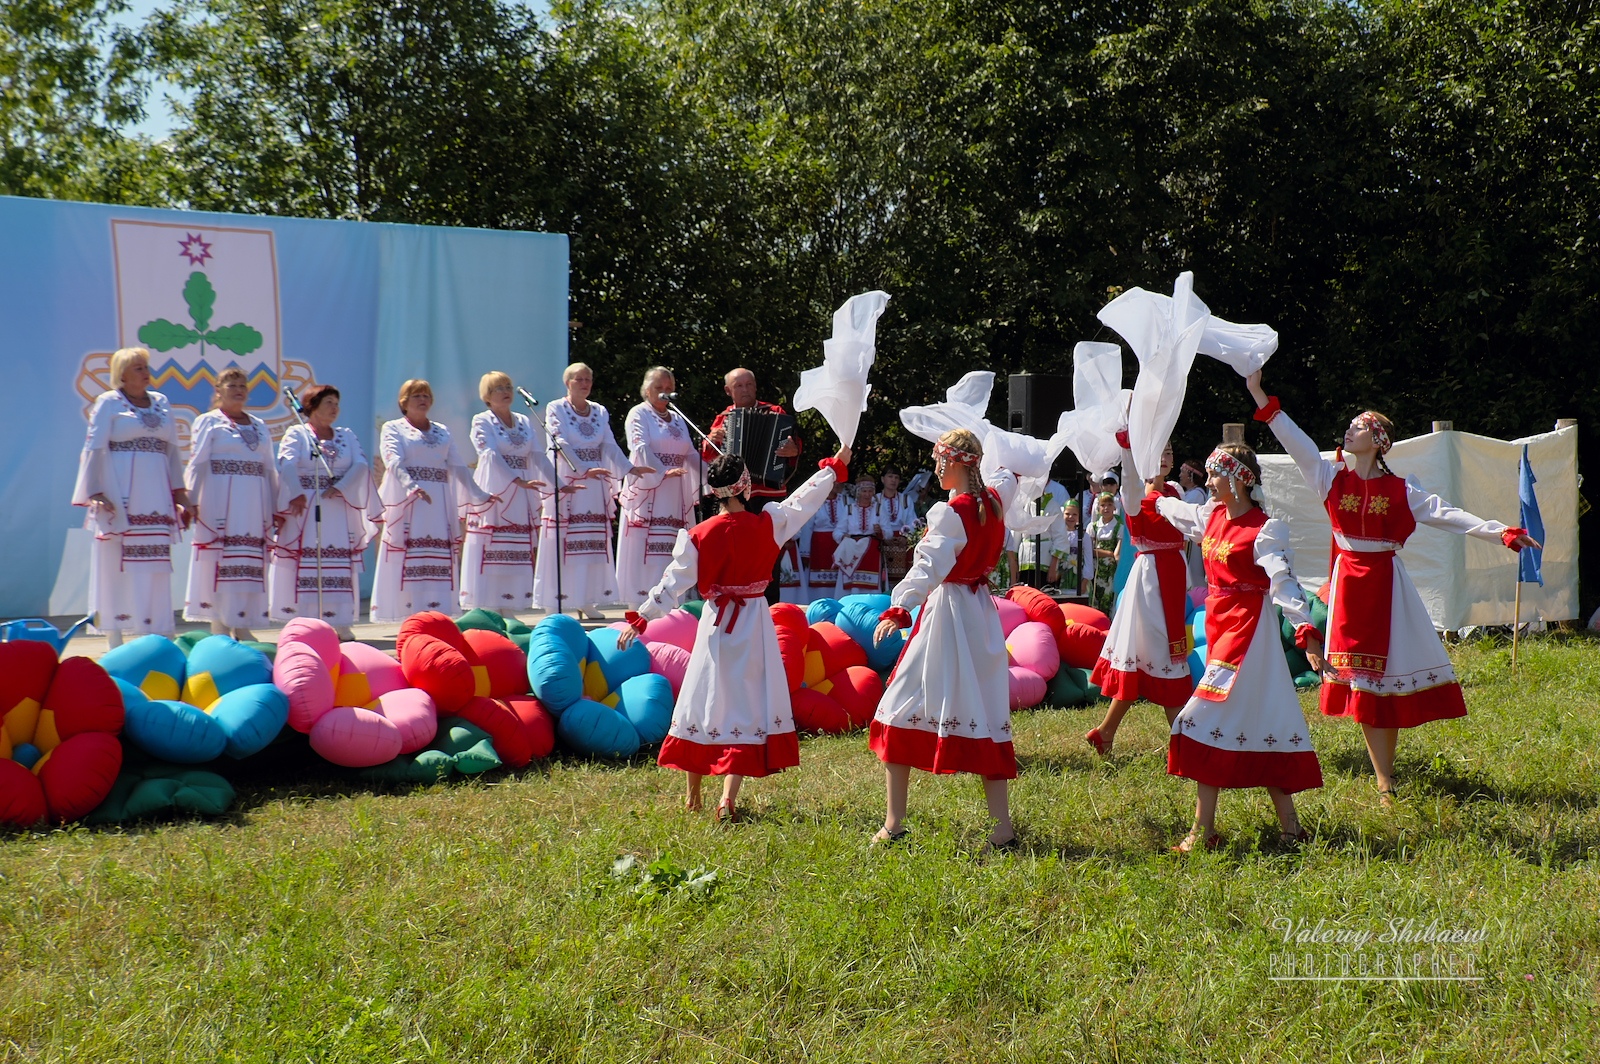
(1243, 727)
(858, 555)
(822, 574)
(947, 706)
(1105, 542)
(733, 716)
(1386, 666)
(1067, 550)
(896, 519)
(1146, 653)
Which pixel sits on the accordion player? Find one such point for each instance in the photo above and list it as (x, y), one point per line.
(755, 434)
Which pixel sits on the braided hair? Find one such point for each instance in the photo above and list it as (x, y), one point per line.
(967, 442)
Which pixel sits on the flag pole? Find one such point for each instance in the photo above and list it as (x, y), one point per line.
(1516, 625)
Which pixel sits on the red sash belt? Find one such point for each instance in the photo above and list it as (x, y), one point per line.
(723, 597)
(1358, 630)
(1231, 618)
(1172, 579)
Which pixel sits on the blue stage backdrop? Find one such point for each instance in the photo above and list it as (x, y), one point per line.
(358, 305)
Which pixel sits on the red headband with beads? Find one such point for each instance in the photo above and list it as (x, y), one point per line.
(1380, 435)
(1222, 464)
(953, 454)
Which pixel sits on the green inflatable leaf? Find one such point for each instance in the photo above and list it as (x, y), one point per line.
(202, 299)
(164, 335)
(238, 338)
(481, 619)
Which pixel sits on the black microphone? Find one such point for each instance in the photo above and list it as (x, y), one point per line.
(292, 399)
(527, 397)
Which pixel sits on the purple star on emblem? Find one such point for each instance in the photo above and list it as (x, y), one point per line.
(195, 249)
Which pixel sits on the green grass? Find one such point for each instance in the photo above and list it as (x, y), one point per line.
(481, 922)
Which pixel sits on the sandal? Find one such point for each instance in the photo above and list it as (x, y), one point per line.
(1011, 845)
(726, 813)
(1212, 841)
(1387, 796)
(1101, 744)
(1296, 839)
(885, 837)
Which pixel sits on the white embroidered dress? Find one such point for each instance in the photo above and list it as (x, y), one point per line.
(233, 486)
(655, 507)
(947, 707)
(731, 716)
(349, 504)
(497, 563)
(417, 551)
(588, 575)
(1255, 735)
(131, 456)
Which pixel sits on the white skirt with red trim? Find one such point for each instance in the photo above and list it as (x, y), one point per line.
(733, 713)
(1257, 735)
(947, 707)
(1135, 662)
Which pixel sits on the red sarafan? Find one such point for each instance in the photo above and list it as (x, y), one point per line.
(59, 722)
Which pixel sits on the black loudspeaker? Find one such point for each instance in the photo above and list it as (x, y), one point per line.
(1037, 401)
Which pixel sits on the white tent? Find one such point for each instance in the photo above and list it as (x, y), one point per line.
(1463, 581)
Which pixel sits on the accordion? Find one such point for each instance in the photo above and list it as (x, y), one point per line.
(755, 435)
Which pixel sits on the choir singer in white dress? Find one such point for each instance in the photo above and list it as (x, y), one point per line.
(497, 563)
(589, 468)
(348, 503)
(130, 479)
(426, 493)
(655, 506)
(233, 478)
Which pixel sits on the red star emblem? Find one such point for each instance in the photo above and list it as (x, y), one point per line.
(193, 248)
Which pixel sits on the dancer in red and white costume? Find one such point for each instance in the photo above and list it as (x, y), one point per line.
(1146, 654)
(1387, 667)
(947, 706)
(733, 716)
(1243, 727)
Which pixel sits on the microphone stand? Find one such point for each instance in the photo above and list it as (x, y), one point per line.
(316, 497)
(556, 451)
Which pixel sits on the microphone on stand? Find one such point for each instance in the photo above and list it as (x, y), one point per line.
(292, 400)
(667, 397)
(527, 397)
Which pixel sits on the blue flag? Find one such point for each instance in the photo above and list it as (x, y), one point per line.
(1528, 560)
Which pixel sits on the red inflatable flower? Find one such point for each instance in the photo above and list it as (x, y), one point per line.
(59, 752)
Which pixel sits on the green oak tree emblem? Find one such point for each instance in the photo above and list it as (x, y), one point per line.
(164, 335)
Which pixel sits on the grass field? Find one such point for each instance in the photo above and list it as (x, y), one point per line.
(492, 921)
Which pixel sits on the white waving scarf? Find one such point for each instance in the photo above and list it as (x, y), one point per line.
(966, 406)
(1164, 332)
(838, 388)
(1100, 406)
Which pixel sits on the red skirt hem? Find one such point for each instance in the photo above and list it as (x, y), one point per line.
(927, 751)
(1133, 686)
(1215, 767)
(780, 751)
(1444, 702)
